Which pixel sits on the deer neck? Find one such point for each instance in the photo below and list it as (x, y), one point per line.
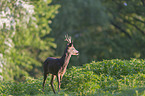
(65, 59)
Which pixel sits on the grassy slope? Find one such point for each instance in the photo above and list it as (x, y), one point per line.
(107, 77)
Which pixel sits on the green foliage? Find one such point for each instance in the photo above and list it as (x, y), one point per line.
(25, 43)
(105, 78)
(107, 75)
(30, 87)
(12, 13)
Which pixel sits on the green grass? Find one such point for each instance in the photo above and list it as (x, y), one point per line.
(104, 78)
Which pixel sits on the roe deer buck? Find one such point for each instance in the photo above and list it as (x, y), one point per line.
(57, 66)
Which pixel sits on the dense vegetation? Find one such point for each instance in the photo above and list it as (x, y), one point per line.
(22, 31)
(32, 30)
(108, 77)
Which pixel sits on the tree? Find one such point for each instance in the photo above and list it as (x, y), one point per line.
(12, 13)
(80, 19)
(27, 47)
(126, 31)
(102, 29)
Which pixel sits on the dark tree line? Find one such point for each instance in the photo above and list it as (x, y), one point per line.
(103, 29)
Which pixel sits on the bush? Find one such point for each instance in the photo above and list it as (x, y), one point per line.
(107, 77)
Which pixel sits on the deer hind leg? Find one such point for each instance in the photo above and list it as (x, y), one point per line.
(53, 77)
(45, 76)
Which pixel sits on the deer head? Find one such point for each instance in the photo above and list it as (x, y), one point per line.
(71, 49)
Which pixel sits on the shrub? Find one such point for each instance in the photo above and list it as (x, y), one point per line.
(108, 75)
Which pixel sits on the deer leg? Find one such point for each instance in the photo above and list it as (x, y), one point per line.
(61, 78)
(53, 77)
(58, 80)
(45, 76)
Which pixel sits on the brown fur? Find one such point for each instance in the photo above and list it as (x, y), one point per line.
(57, 66)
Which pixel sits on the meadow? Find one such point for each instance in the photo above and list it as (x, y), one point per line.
(103, 78)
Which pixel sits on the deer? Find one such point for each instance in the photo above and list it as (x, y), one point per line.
(57, 66)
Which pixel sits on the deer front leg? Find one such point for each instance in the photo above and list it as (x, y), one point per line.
(58, 80)
(61, 77)
(45, 76)
(53, 77)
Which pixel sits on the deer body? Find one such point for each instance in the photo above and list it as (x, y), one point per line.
(57, 66)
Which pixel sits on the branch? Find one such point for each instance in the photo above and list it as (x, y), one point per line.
(143, 32)
(122, 30)
(138, 20)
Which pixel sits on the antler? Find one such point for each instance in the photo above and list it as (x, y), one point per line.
(68, 38)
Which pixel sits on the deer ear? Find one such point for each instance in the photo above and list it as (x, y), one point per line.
(70, 44)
